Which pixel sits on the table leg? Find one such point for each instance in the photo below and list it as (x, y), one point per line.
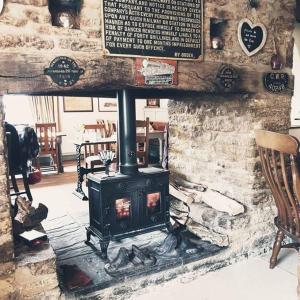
(60, 167)
(79, 192)
(161, 150)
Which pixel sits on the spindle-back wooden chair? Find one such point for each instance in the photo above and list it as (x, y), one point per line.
(46, 134)
(279, 154)
(142, 141)
(91, 152)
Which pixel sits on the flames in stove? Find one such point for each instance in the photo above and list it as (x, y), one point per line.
(123, 206)
(153, 203)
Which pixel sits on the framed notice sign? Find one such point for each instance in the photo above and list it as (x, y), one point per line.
(153, 28)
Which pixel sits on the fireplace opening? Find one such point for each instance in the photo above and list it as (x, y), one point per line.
(129, 212)
(133, 213)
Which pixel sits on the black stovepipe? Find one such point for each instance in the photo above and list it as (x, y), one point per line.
(127, 133)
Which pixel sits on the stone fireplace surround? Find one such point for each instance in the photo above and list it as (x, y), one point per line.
(211, 131)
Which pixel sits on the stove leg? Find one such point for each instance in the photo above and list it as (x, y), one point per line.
(170, 227)
(88, 236)
(104, 245)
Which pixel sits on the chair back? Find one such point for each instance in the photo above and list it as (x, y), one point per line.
(279, 154)
(142, 140)
(94, 131)
(110, 126)
(46, 135)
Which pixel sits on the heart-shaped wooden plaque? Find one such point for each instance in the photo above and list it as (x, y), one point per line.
(252, 37)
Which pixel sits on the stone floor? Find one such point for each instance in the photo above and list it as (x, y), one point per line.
(247, 280)
(250, 279)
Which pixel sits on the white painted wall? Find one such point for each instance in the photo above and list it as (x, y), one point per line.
(17, 109)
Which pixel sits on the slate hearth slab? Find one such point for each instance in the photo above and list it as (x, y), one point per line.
(93, 265)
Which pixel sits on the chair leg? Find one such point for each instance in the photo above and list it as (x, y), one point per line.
(37, 163)
(276, 248)
(14, 183)
(26, 186)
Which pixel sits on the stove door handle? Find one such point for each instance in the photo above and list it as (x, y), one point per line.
(107, 210)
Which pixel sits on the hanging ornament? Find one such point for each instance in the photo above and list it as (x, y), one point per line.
(276, 62)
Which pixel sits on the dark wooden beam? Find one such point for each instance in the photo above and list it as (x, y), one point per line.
(104, 75)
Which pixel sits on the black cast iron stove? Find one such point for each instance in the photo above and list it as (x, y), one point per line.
(134, 201)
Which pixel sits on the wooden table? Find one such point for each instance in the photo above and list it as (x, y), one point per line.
(81, 171)
(160, 135)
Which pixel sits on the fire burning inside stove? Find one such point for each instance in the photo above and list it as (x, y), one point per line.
(153, 202)
(122, 208)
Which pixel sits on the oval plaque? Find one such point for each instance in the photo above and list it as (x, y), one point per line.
(276, 82)
(64, 71)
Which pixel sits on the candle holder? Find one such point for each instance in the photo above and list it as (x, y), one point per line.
(107, 156)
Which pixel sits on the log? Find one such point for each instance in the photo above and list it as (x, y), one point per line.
(221, 202)
(212, 198)
(180, 195)
(207, 234)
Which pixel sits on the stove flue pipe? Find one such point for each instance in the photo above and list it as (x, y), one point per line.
(127, 133)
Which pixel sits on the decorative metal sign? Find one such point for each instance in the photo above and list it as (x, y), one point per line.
(165, 28)
(276, 82)
(227, 77)
(252, 37)
(64, 71)
(156, 72)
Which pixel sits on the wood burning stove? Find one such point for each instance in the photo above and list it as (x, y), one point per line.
(133, 201)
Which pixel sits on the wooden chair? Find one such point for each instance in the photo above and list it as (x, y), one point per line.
(279, 154)
(46, 134)
(110, 126)
(142, 141)
(91, 151)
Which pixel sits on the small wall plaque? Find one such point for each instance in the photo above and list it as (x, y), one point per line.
(64, 71)
(156, 72)
(227, 77)
(276, 82)
(252, 37)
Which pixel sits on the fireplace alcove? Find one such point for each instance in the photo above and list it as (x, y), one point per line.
(211, 130)
(186, 119)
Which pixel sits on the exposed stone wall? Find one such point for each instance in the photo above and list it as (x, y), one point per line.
(6, 242)
(25, 26)
(277, 16)
(212, 136)
(215, 135)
